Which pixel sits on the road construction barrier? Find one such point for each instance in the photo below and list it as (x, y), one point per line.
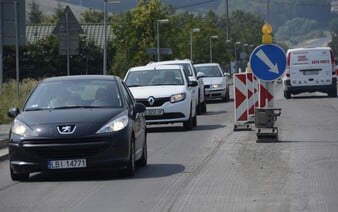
(251, 95)
(241, 101)
(265, 97)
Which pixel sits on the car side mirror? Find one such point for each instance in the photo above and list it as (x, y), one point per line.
(193, 83)
(200, 75)
(13, 112)
(139, 107)
(226, 74)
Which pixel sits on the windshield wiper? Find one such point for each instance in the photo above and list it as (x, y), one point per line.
(37, 108)
(74, 106)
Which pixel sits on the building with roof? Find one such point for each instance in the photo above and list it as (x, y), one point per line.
(93, 32)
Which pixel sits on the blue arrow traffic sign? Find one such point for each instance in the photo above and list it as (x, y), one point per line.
(268, 62)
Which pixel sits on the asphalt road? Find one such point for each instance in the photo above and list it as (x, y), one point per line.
(211, 168)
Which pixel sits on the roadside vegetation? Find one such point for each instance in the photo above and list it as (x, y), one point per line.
(9, 96)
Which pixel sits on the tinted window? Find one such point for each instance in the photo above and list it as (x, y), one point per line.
(72, 93)
(209, 71)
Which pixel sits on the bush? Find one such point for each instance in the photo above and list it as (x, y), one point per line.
(9, 96)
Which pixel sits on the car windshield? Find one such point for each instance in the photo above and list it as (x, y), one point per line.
(74, 94)
(154, 77)
(209, 71)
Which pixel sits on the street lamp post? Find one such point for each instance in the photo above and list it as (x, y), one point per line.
(158, 22)
(191, 31)
(210, 39)
(236, 43)
(105, 34)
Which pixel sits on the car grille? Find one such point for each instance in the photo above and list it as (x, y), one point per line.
(66, 147)
(158, 102)
(166, 116)
(206, 86)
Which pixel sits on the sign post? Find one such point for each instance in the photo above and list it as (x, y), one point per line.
(268, 62)
(12, 13)
(68, 30)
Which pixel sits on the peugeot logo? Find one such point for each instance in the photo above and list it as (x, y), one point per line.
(66, 129)
(151, 100)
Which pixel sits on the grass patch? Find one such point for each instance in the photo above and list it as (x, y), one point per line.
(9, 96)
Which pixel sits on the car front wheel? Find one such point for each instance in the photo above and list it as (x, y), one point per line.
(130, 169)
(188, 125)
(144, 158)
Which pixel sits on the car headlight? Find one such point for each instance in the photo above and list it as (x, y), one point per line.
(222, 85)
(177, 97)
(216, 86)
(114, 125)
(22, 129)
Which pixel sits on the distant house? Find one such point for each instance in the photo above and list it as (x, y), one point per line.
(93, 32)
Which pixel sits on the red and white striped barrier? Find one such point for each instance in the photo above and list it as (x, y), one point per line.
(240, 99)
(265, 97)
(256, 90)
(251, 95)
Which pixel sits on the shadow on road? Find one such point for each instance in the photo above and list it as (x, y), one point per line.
(175, 129)
(150, 171)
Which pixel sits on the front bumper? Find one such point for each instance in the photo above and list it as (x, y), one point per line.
(172, 112)
(212, 94)
(32, 155)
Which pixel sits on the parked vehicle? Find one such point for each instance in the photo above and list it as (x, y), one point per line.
(198, 92)
(167, 93)
(310, 70)
(216, 84)
(75, 123)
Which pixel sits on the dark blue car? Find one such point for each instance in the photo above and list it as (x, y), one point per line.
(77, 123)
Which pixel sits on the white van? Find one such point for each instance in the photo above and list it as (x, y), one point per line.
(310, 70)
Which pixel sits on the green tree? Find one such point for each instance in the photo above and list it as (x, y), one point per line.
(92, 16)
(35, 15)
(53, 19)
(135, 34)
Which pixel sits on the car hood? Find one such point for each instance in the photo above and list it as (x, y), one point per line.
(213, 80)
(156, 91)
(86, 121)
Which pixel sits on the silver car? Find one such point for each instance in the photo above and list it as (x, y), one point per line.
(216, 84)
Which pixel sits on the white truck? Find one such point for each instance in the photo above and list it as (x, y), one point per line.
(310, 70)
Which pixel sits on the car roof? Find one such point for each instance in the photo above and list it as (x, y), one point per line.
(171, 61)
(206, 64)
(81, 77)
(155, 67)
(309, 48)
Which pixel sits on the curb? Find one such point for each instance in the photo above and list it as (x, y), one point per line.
(4, 132)
(3, 148)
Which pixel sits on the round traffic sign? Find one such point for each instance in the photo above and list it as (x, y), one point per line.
(268, 62)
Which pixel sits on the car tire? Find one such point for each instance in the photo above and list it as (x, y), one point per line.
(194, 121)
(199, 106)
(204, 107)
(332, 92)
(188, 125)
(227, 96)
(287, 94)
(144, 158)
(19, 177)
(129, 171)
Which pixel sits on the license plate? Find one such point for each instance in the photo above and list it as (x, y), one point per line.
(153, 112)
(67, 164)
(307, 73)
